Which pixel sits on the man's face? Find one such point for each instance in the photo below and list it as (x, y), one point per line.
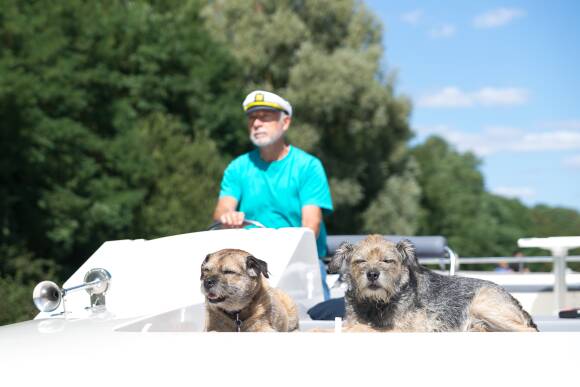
(266, 127)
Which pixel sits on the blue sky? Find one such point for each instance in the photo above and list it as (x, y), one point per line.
(499, 78)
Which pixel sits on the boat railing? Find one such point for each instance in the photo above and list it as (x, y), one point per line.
(495, 260)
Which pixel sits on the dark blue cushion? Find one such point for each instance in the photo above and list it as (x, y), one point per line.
(328, 310)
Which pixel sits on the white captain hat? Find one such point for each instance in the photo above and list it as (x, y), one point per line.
(264, 100)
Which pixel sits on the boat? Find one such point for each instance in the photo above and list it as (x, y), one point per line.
(133, 313)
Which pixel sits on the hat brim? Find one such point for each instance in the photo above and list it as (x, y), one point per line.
(269, 108)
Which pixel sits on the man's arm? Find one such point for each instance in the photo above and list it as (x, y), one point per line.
(311, 218)
(225, 212)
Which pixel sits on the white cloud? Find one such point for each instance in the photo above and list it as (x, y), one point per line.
(508, 96)
(477, 143)
(498, 139)
(515, 192)
(442, 31)
(488, 96)
(563, 125)
(572, 162)
(554, 140)
(446, 97)
(412, 17)
(497, 17)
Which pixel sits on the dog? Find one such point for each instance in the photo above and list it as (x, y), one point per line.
(238, 297)
(389, 291)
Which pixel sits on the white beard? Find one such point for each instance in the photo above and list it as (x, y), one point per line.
(266, 140)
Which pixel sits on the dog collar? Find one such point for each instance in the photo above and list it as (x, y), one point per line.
(236, 317)
(238, 322)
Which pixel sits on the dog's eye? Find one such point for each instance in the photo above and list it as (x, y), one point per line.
(358, 261)
(229, 272)
(388, 260)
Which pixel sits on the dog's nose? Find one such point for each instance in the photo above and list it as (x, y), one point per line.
(209, 282)
(373, 275)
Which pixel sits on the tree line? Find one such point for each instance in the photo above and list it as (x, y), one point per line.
(118, 117)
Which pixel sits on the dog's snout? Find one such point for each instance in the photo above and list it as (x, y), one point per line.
(209, 282)
(373, 275)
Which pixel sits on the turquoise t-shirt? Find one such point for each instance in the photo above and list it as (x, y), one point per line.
(274, 193)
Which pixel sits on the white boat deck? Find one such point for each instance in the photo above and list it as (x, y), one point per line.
(150, 330)
(66, 354)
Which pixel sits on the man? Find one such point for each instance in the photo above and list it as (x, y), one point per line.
(276, 184)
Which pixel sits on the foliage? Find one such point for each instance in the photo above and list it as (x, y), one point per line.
(182, 181)
(395, 213)
(452, 188)
(325, 58)
(109, 113)
(16, 289)
(547, 219)
(478, 223)
(16, 303)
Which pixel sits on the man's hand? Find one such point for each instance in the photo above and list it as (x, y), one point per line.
(233, 219)
(226, 213)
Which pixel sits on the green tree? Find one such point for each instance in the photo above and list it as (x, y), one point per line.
(549, 221)
(20, 273)
(511, 221)
(477, 223)
(84, 88)
(554, 221)
(453, 197)
(396, 207)
(181, 177)
(325, 57)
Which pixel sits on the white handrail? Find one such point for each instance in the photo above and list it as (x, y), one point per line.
(483, 260)
(559, 247)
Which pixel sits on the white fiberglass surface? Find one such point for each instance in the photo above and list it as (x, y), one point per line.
(151, 277)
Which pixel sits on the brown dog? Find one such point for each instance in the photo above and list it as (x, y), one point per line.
(239, 298)
(389, 291)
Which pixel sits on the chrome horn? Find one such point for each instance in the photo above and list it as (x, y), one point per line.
(47, 296)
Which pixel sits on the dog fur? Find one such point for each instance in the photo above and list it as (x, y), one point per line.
(389, 291)
(236, 289)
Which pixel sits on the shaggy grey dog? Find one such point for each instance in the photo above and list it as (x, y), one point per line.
(389, 291)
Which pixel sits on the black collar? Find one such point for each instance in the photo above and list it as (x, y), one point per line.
(236, 317)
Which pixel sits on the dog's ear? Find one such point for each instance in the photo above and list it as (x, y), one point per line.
(407, 251)
(341, 257)
(256, 266)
